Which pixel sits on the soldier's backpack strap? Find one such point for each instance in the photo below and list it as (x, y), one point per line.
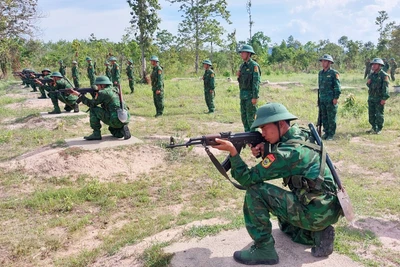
(322, 150)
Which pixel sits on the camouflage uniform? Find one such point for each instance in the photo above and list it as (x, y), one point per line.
(367, 68)
(129, 73)
(329, 89)
(209, 89)
(62, 68)
(90, 73)
(378, 89)
(385, 68)
(103, 107)
(75, 75)
(44, 87)
(249, 83)
(310, 206)
(157, 83)
(108, 71)
(393, 67)
(68, 99)
(115, 74)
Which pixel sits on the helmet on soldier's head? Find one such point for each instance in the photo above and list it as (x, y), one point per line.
(246, 48)
(49, 71)
(377, 61)
(88, 58)
(60, 61)
(272, 112)
(327, 58)
(207, 61)
(56, 74)
(154, 58)
(112, 58)
(392, 59)
(74, 62)
(130, 61)
(102, 80)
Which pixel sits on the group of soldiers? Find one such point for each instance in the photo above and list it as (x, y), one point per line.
(307, 212)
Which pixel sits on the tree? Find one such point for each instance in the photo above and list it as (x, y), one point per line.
(145, 22)
(232, 52)
(199, 20)
(384, 29)
(17, 19)
(248, 7)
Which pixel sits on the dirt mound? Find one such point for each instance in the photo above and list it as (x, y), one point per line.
(105, 165)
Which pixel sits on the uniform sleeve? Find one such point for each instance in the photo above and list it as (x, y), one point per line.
(336, 85)
(212, 81)
(159, 79)
(385, 87)
(256, 81)
(117, 73)
(96, 100)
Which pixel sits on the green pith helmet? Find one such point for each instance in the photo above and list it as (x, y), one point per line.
(154, 58)
(60, 61)
(74, 62)
(88, 58)
(327, 57)
(377, 61)
(56, 74)
(49, 71)
(246, 48)
(207, 61)
(272, 112)
(102, 80)
(106, 63)
(130, 61)
(112, 59)
(392, 59)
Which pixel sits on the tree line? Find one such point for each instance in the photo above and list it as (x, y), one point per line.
(200, 36)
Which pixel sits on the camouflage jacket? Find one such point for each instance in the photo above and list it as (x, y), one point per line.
(249, 79)
(157, 82)
(328, 85)
(208, 78)
(129, 71)
(75, 72)
(378, 86)
(108, 72)
(297, 164)
(90, 70)
(62, 69)
(385, 68)
(115, 73)
(393, 67)
(107, 98)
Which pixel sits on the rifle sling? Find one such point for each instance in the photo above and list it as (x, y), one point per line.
(221, 169)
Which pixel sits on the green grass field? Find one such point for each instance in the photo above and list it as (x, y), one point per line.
(43, 218)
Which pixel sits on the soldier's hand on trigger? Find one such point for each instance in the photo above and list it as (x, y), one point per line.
(254, 101)
(258, 150)
(73, 92)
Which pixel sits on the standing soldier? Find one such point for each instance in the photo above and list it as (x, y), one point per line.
(209, 85)
(68, 99)
(378, 93)
(62, 67)
(367, 68)
(249, 84)
(90, 72)
(329, 92)
(393, 67)
(75, 73)
(129, 73)
(386, 66)
(115, 74)
(157, 85)
(44, 87)
(104, 108)
(107, 70)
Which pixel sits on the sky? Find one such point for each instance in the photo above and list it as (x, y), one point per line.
(305, 20)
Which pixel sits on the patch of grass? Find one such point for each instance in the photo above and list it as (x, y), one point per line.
(154, 256)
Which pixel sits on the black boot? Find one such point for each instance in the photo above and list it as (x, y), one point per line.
(126, 132)
(323, 242)
(76, 108)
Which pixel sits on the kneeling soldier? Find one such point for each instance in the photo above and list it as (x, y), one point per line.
(68, 99)
(104, 107)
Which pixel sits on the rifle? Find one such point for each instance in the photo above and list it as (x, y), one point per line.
(239, 140)
(44, 81)
(342, 195)
(19, 74)
(319, 119)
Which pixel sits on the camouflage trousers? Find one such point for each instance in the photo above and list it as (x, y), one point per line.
(159, 102)
(328, 117)
(98, 114)
(392, 75)
(209, 97)
(297, 220)
(375, 114)
(76, 83)
(248, 113)
(92, 79)
(131, 85)
(68, 100)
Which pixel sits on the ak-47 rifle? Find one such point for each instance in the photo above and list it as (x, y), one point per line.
(81, 91)
(44, 81)
(20, 74)
(239, 140)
